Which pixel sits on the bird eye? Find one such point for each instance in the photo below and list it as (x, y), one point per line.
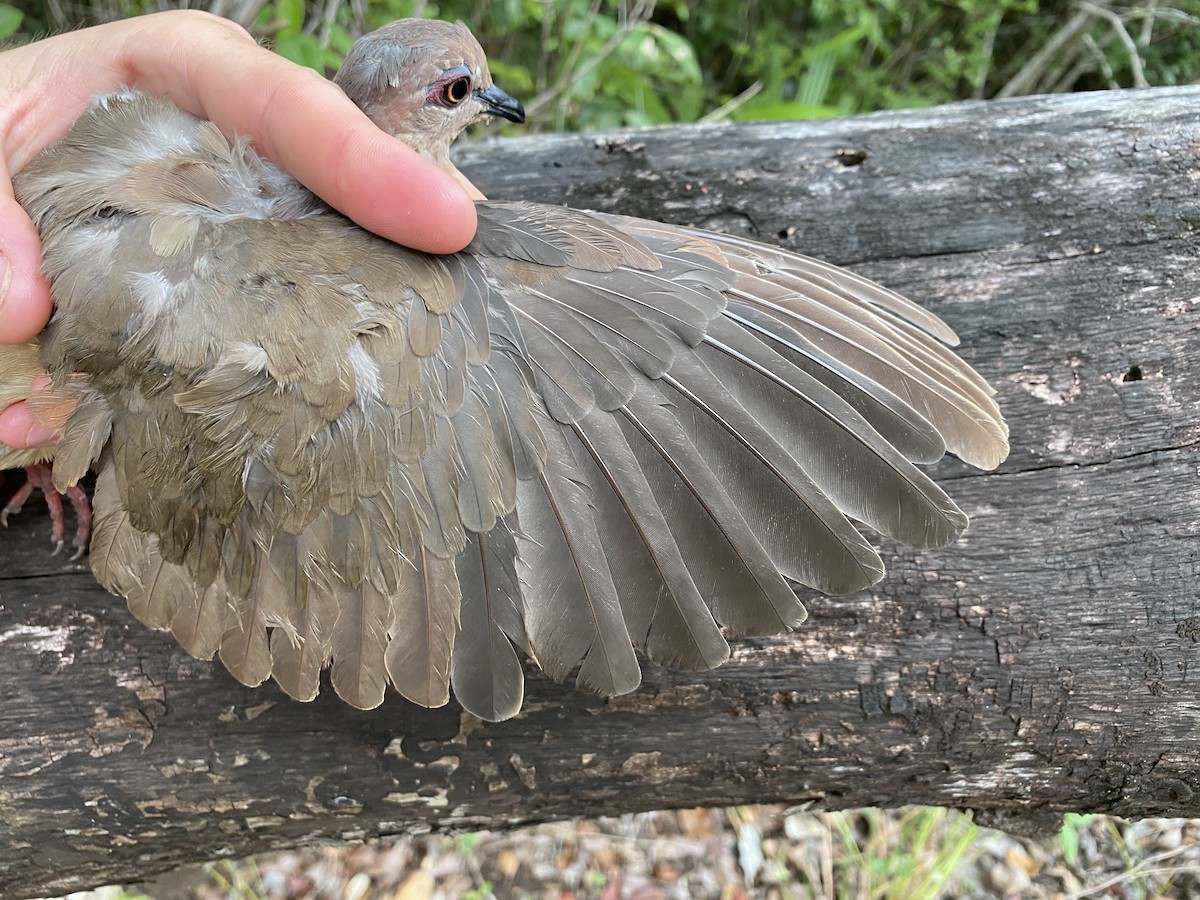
(456, 91)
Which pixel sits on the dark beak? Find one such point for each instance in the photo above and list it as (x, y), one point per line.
(498, 103)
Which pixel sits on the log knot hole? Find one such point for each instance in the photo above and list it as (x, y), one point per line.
(849, 159)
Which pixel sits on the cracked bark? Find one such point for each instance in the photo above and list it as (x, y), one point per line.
(1046, 662)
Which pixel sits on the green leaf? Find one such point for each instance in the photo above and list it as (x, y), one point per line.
(303, 49)
(289, 19)
(1068, 836)
(10, 20)
(785, 111)
(340, 40)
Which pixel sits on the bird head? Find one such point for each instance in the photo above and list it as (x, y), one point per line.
(424, 82)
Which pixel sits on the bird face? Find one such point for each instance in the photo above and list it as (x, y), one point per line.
(424, 82)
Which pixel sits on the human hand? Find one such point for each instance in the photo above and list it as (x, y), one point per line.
(212, 68)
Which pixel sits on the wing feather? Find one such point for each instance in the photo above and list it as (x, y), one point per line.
(582, 434)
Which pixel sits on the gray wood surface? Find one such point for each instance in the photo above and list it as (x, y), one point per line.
(1046, 662)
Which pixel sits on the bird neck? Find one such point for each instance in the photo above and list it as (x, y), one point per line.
(442, 161)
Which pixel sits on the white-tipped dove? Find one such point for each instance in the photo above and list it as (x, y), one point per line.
(581, 435)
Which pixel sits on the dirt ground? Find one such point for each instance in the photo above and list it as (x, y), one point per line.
(728, 854)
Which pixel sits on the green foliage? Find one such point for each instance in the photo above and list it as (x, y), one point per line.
(603, 63)
(832, 58)
(10, 20)
(919, 854)
(1068, 836)
(483, 891)
(468, 841)
(237, 880)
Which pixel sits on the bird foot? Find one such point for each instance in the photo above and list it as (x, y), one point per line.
(38, 476)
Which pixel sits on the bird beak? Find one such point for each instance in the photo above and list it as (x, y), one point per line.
(498, 103)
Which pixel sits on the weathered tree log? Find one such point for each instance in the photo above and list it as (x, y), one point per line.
(1046, 662)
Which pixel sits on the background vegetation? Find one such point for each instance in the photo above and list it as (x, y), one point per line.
(597, 64)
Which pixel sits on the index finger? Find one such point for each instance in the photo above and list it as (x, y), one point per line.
(309, 127)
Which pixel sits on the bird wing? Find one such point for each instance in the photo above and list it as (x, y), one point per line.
(579, 436)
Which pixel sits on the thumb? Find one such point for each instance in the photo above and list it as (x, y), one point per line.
(24, 306)
(24, 294)
(20, 430)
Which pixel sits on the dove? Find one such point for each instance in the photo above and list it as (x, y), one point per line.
(583, 436)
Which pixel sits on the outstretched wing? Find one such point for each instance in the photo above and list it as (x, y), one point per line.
(579, 436)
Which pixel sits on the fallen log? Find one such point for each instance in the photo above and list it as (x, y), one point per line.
(1046, 662)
